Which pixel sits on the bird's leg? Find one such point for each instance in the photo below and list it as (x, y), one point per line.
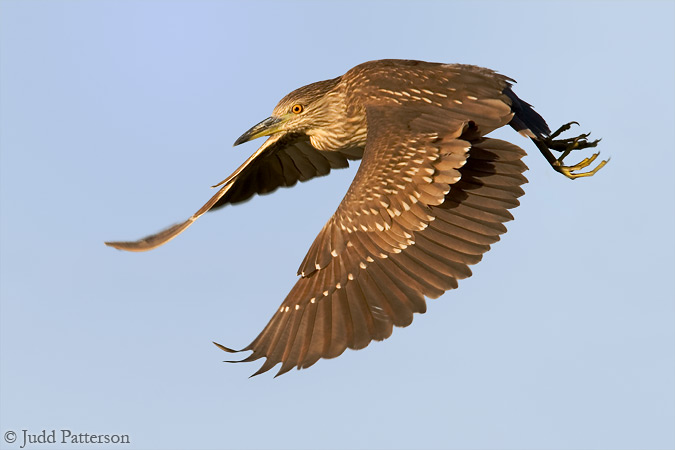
(566, 146)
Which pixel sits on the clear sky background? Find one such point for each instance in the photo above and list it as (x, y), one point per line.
(116, 117)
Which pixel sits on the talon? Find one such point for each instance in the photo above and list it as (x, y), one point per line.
(566, 146)
(585, 162)
(562, 129)
(569, 171)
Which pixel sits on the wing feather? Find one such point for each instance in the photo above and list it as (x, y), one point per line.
(282, 161)
(385, 275)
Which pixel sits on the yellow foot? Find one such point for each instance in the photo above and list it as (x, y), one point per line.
(566, 146)
(569, 171)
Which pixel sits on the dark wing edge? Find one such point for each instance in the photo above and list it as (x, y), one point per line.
(282, 161)
(314, 322)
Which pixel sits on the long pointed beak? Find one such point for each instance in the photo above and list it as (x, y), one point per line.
(268, 126)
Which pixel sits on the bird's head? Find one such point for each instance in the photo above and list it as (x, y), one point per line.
(303, 110)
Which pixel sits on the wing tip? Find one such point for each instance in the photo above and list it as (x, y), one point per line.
(152, 241)
(226, 349)
(129, 246)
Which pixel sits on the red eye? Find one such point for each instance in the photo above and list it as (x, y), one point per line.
(297, 109)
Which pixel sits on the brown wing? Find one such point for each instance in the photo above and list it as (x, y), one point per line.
(429, 198)
(283, 160)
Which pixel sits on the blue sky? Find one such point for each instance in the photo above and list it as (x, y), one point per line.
(116, 117)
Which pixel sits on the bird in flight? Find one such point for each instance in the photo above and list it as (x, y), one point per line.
(430, 196)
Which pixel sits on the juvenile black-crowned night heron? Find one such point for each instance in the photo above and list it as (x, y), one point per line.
(429, 198)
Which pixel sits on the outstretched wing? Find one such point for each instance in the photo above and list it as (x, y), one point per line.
(282, 161)
(429, 198)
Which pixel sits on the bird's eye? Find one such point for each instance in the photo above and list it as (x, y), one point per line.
(297, 108)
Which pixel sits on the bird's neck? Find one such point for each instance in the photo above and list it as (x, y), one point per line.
(350, 130)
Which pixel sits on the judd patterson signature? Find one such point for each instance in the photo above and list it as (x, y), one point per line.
(64, 437)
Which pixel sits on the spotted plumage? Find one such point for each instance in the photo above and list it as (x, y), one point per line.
(431, 195)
